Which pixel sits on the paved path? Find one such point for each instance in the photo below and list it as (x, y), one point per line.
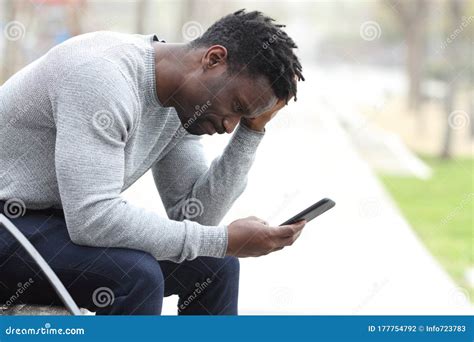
(362, 257)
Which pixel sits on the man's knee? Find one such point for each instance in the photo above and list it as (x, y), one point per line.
(218, 276)
(225, 284)
(139, 271)
(138, 287)
(229, 268)
(225, 270)
(147, 269)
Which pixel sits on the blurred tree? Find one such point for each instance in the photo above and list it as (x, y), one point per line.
(197, 15)
(455, 12)
(411, 15)
(191, 11)
(141, 14)
(9, 52)
(75, 10)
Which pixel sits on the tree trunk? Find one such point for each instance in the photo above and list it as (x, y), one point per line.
(414, 14)
(455, 17)
(140, 20)
(414, 64)
(9, 54)
(449, 101)
(471, 106)
(411, 15)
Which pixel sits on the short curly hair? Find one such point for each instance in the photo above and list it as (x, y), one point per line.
(253, 41)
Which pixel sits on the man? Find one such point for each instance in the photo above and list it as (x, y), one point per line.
(85, 121)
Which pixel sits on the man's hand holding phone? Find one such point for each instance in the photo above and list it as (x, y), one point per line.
(253, 237)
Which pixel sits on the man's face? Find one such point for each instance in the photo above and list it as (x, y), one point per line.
(214, 101)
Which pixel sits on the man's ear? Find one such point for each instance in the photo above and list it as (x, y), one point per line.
(216, 55)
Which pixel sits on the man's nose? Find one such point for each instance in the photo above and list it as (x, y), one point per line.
(230, 123)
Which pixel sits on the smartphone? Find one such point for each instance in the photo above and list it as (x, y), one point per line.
(313, 211)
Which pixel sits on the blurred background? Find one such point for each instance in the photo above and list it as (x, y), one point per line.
(384, 125)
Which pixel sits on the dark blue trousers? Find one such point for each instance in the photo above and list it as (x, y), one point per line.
(110, 281)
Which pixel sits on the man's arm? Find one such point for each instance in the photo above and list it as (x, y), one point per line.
(94, 116)
(191, 189)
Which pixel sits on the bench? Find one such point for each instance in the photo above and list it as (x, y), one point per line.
(70, 307)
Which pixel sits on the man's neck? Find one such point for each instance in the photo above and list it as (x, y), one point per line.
(170, 69)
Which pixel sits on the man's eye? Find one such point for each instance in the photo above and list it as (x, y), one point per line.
(237, 107)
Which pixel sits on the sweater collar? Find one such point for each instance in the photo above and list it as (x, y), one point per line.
(150, 78)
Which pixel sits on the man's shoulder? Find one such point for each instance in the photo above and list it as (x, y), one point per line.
(98, 42)
(96, 50)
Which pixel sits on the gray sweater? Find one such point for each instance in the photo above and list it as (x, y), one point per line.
(82, 123)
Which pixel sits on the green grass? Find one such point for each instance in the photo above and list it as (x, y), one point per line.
(440, 210)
